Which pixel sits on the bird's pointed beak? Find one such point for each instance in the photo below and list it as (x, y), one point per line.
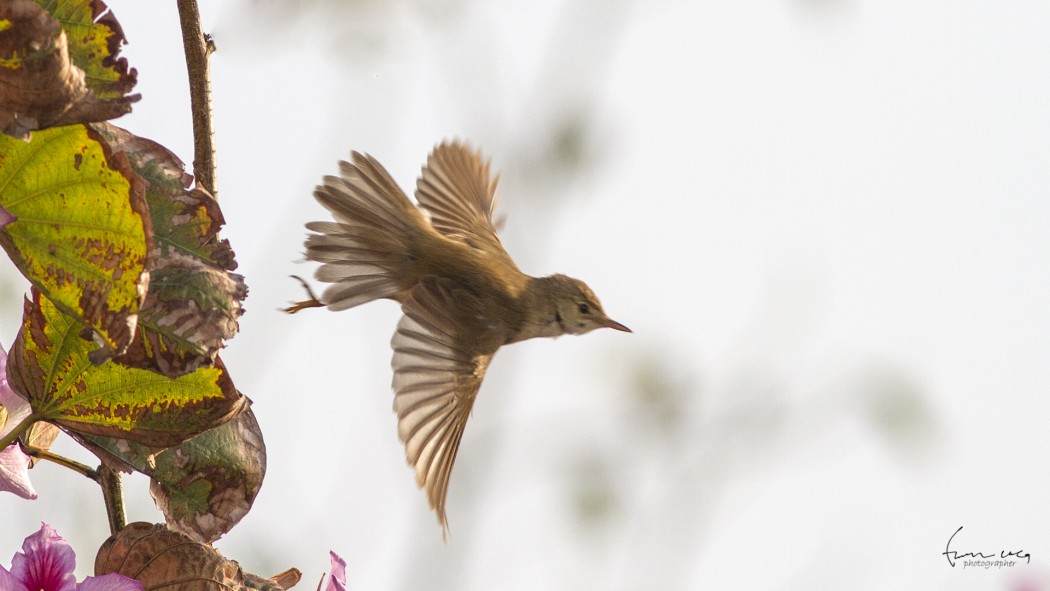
(610, 323)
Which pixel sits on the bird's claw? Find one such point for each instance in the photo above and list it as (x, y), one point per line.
(313, 302)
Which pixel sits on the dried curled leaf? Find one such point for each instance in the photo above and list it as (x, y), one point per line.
(207, 484)
(194, 300)
(162, 559)
(203, 486)
(50, 366)
(80, 232)
(60, 68)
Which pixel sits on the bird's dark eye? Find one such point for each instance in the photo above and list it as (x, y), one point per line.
(584, 309)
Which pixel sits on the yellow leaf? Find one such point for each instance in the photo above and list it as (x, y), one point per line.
(81, 233)
(49, 364)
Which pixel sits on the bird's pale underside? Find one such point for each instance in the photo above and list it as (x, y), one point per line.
(461, 294)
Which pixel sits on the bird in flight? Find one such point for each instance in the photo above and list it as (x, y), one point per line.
(461, 295)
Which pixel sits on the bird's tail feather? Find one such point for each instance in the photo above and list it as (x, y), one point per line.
(368, 251)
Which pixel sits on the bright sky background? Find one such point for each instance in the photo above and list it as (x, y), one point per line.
(826, 221)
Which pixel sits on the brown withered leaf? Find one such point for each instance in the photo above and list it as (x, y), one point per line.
(190, 310)
(287, 579)
(42, 74)
(162, 559)
(207, 484)
(194, 300)
(41, 436)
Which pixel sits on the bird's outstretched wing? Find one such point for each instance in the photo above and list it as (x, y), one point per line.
(437, 374)
(456, 190)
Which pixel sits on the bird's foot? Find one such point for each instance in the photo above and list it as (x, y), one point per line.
(313, 302)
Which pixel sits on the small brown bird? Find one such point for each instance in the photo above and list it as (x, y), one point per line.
(461, 294)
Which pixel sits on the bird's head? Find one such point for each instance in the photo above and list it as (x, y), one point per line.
(577, 309)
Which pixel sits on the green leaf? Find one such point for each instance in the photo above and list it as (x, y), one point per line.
(81, 233)
(194, 300)
(50, 366)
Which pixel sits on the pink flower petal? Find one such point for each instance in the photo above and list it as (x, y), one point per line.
(337, 580)
(8, 582)
(14, 473)
(17, 407)
(14, 465)
(46, 562)
(110, 582)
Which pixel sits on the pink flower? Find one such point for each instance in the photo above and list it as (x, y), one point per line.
(14, 465)
(46, 563)
(337, 581)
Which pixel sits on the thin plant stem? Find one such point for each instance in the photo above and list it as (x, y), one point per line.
(18, 431)
(198, 47)
(113, 493)
(43, 454)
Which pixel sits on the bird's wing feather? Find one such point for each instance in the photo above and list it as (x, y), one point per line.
(366, 249)
(436, 378)
(455, 188)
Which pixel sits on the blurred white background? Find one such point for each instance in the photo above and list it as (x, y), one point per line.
(826, 221)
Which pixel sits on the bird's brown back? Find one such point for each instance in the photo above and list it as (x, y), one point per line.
(499, 287)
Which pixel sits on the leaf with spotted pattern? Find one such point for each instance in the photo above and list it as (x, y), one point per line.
(80, 231)
(194, 299)
(49, 365)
